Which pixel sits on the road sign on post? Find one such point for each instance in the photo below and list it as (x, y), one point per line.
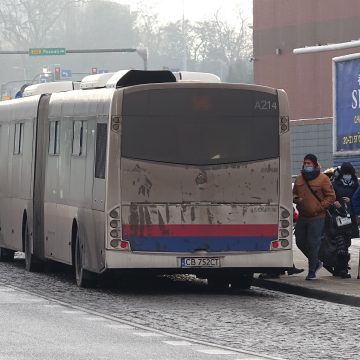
(46, 51)
(66, 73)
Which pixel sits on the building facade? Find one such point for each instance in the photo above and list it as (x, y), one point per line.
(280, 26)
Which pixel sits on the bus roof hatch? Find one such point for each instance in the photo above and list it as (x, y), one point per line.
(50, 87)
(123, 78)
(137, 77)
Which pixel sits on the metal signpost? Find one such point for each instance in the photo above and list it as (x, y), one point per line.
(142, 52)
(58, 51)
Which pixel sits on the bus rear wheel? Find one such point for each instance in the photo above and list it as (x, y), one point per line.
(218, 283)
(6, 254)
(84, 278)
(242, 282)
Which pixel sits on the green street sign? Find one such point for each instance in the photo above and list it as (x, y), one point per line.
(46, 51)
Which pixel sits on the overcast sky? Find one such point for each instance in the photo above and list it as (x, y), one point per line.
(172, 10)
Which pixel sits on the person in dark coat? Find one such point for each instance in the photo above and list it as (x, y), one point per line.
(345, 185)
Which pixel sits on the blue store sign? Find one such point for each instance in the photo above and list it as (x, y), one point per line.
(347, 105)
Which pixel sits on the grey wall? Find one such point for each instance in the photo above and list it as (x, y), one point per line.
(311, 137)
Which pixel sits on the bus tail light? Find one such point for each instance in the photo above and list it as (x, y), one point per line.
(284, 243)
(115, 213)
(274, 245)
(280, 244)
(284, 124)
(115, 123)
(119, 244)
(115, 232)
(125, 245)
(285, 231)
(284, 214)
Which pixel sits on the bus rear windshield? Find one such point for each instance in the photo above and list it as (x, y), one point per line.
(200, 126)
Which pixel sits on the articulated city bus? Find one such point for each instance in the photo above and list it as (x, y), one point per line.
(138, 171)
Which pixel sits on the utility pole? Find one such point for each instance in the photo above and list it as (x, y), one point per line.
(183, 37)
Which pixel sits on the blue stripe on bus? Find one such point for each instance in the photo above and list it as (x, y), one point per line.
(190, 244)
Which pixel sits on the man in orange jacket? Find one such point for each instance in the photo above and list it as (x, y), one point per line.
(313, 194)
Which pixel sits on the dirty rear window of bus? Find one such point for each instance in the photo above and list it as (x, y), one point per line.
(200, 126)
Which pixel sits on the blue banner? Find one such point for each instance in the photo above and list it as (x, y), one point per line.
(348, 105)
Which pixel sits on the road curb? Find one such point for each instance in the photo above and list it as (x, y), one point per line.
(306, 292)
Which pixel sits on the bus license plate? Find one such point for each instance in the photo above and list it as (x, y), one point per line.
(200, 262)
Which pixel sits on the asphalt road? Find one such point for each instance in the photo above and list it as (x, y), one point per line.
(34, 328)
(260, 321)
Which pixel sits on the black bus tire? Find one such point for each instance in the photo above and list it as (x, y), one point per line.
(6, 254)
(84, 278)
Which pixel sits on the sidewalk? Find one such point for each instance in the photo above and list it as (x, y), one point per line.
(325, 287)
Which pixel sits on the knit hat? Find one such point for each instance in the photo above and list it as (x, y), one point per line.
(347, 168)
(312, 158)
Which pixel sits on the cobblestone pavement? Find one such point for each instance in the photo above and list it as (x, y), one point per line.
(258, 320)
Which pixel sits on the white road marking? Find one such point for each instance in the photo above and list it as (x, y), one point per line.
(251, 358)
(217, 352)
(147, 334)
(120, 326)
(179, 343)
(6, 289)
(95, 318)
(25, 300)
(73, 312)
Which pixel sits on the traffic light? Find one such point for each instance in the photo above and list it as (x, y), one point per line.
(94, 70)
(57, 73)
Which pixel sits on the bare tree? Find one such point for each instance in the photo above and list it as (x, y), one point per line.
(216, 41)
(26, 23)
(213, 45)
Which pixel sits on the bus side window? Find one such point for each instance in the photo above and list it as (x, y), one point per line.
(79, 138)
(54, 138)
(19, 130)
(101, 142)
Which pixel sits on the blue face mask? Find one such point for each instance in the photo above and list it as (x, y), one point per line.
(347, 178)
(308, 169)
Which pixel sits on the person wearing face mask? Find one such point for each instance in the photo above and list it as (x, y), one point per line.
(313, 194)
(345, 186)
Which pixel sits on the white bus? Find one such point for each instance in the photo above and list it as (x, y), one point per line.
(137, 171)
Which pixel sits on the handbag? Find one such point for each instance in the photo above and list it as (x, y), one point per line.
(342, 219)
